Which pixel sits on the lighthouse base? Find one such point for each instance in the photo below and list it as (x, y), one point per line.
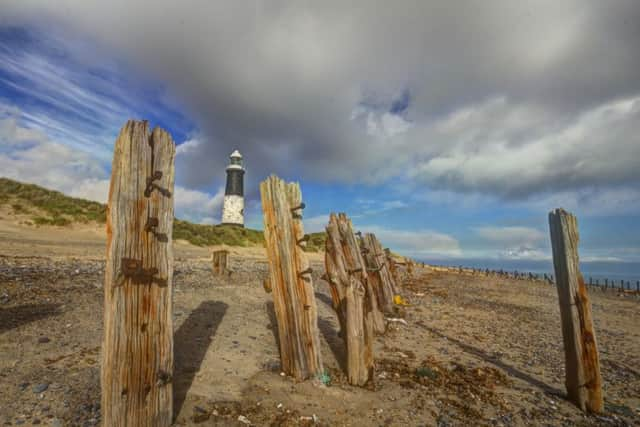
(233, 210)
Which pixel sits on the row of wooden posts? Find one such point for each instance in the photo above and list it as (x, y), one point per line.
(137, 348)
(360, 274)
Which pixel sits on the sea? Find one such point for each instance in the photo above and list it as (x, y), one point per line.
(613, 272)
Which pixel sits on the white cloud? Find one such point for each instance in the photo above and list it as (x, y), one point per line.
(512, 242)
(91, 189)
(418, 243)
(198, 206)
(29, 155)
(188, 146)
(511, 235)
(516, 150)
(316, 223)
(524, 101)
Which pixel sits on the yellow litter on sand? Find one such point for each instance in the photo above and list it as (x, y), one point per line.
(398, 300)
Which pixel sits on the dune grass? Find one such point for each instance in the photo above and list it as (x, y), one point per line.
(48, 207)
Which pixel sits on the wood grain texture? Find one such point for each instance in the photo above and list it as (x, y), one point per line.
(379, 276)
(219, 261)
(583, 379)
(391, 266)
(353, 297)
(290, 279)
(137, 349)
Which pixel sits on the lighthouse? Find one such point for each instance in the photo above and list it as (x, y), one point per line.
(233, 209)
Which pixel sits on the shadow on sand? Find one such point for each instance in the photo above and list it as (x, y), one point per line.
(14, 317)
(331, 335)
(498, 363)
(191, 342)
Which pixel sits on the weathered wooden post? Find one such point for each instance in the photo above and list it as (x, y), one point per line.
(352, 297)
(290, 278)
(219, 261)
(583, 380)
(391, 265)
(379, 276)
(137, 348)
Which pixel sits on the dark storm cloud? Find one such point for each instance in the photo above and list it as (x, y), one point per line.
(503, 97)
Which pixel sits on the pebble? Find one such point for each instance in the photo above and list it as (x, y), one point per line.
(43, 340)
(56, 423)
(39, 388)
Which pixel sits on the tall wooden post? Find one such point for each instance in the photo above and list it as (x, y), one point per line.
(380, 277)
(582, 366)
(137, 350)
(219, 261)
(352, 296)
(290, 278)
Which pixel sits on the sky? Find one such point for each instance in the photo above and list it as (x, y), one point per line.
(448, 129)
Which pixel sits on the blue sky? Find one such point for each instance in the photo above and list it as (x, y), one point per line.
(449, 145)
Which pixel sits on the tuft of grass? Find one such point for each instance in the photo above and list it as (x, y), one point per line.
(223, 234)
(316, 242)
(54, 204)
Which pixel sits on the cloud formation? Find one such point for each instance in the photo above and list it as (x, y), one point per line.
(29, 155)
(505, 98)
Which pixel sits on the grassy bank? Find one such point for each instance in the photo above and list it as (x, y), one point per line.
(48, 207)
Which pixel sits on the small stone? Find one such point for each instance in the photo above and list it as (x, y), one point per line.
(244, 420)
(35, 421)
(40, 388)
(56, 423)
(43, 340)
(23, 386)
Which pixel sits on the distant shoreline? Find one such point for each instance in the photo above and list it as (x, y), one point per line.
(594, 270)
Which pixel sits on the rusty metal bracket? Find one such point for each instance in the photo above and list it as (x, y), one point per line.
(150, 227)
(132, 269)
(299, 207)
(294, 211)
(305, 272)
(151, 185)
(151, 224)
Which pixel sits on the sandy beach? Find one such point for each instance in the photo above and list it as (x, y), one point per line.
(475, 350)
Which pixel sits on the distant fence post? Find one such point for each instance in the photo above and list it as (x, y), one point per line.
(219, 261)
(137, 348)
(290, 278)
(353, 298)
(583, 380)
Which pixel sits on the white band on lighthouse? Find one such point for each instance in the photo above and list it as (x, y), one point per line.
(233, 208)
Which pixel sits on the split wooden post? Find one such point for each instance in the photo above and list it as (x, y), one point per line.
(290, 278)
(219, 261)
(379, 276)
(391, 266)
(137, 348)
(582, 366)
(352, 296)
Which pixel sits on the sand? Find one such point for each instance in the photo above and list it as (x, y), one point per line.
(474, 351)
